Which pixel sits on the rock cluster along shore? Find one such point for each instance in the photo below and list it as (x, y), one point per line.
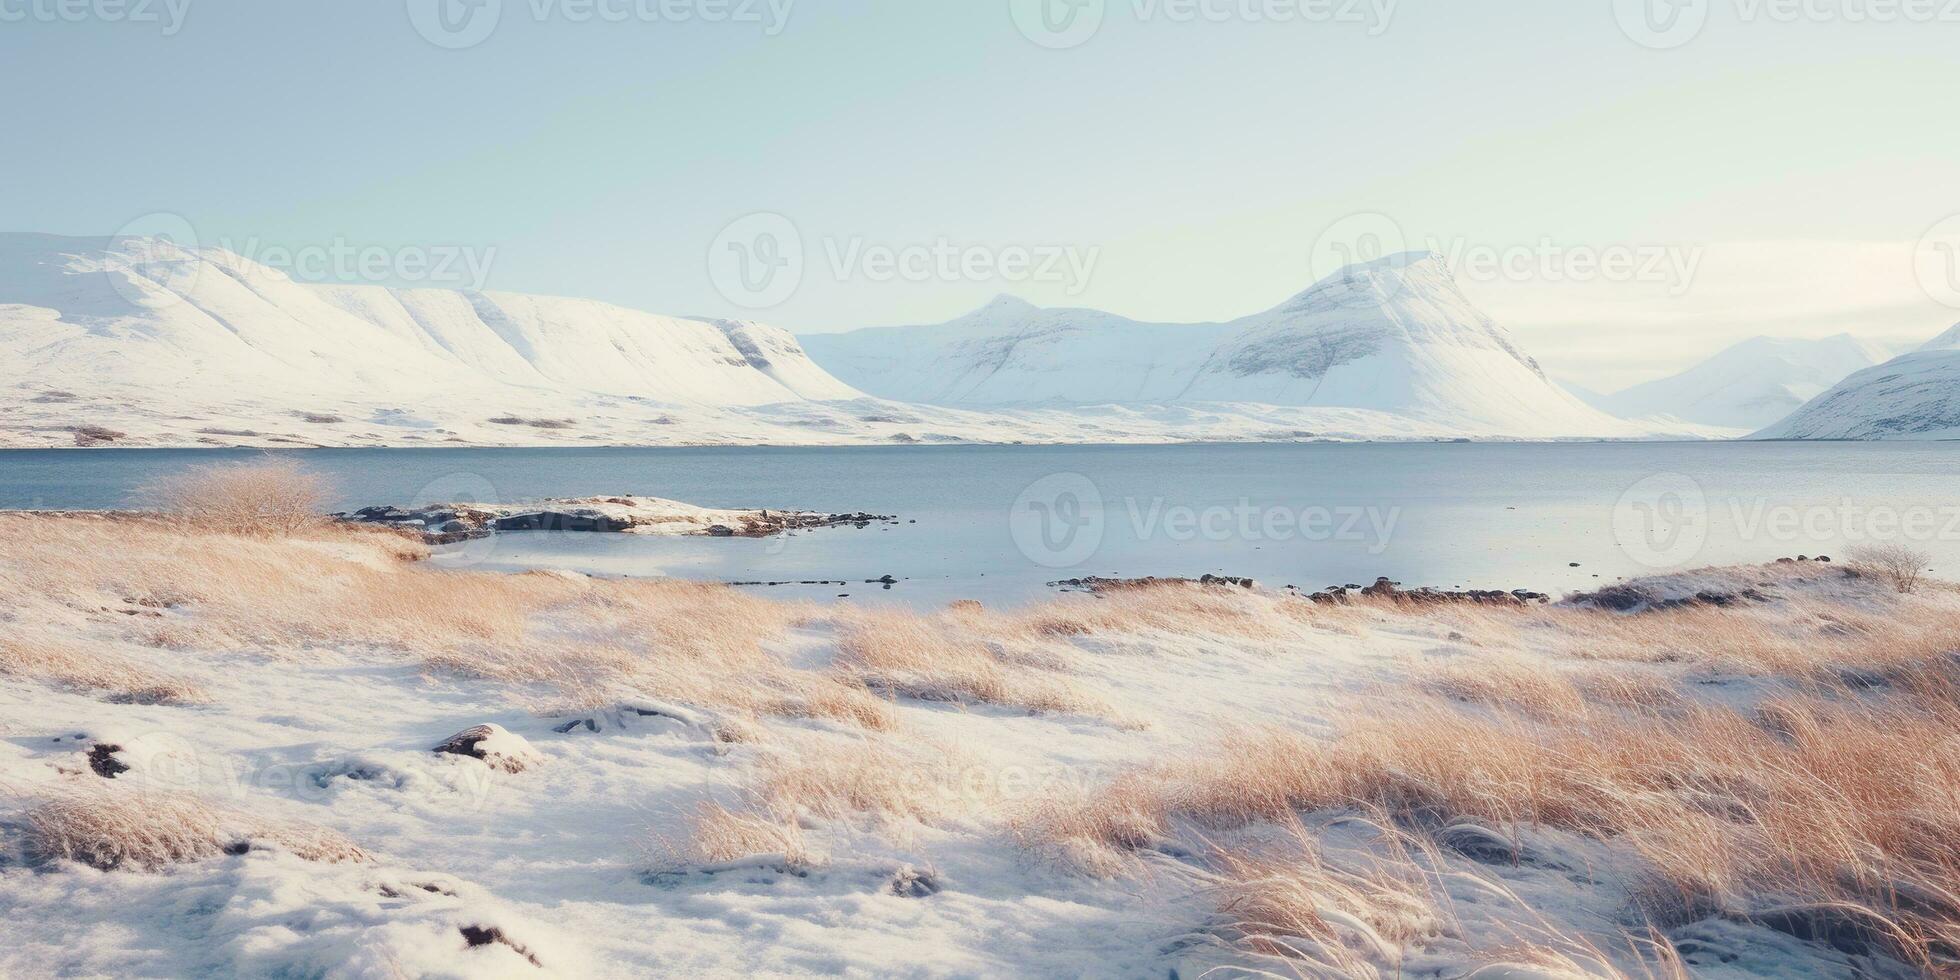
(1393, 592)
(1333, 595)
(451, 523)
(1095, 584)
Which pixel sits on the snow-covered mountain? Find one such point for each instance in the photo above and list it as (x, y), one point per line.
(1912, 396)
(141, 342)
(1749, 385)
(1394, 335)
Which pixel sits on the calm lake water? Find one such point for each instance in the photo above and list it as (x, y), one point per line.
(999, 523)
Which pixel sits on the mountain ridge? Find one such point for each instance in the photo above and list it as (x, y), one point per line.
(143, 342)
(1914, 396)
(1394, 334)
(1749, 384)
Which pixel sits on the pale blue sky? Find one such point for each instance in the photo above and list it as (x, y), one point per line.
(1200, 160)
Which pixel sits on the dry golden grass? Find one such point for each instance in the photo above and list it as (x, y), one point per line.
(1322, 919)
(150, 831)
(1883, 639)
(265, 497)
(944, 658)
(885, 785)
(1842, 811)
(91, 667)
(718, 835)
(1289, 910)
(1166, 608)
(558, 641)
(1507, 681)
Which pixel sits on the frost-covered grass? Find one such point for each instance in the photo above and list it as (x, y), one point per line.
(1169, 778)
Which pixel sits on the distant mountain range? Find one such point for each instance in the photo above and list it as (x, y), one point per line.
(144, 343)
(1394, 335)
(1912, 396)
(1747, 386)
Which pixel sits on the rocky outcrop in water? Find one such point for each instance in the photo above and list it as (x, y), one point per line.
(451, 523)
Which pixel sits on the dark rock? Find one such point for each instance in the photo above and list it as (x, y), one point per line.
(485, 935)
(95, 435)
(909, 882)
(548, 520)
(102, 759)
(1243, 583)
(493, 745)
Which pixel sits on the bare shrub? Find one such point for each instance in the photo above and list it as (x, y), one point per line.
(1898, 564)
(266, 498)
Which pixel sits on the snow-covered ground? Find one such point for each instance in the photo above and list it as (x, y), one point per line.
(138, 342)
(1913, 396)
(288, 694)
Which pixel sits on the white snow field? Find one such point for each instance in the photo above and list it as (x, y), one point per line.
(1394, 335)
(139, 342)
(1750, 385)
(217, 759)
(1913, 396)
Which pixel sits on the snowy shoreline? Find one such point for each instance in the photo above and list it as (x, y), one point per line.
(237, 755)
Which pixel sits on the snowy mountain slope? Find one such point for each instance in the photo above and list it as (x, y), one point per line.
(1394, 335)
(1912, 396)
(1950, 340)
(146, 343)
(1749, 385)
(210, 315)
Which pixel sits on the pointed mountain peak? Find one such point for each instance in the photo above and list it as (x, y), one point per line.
(1008, 302)
(1375, 282)
(1001, 308)
(1950, 340)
